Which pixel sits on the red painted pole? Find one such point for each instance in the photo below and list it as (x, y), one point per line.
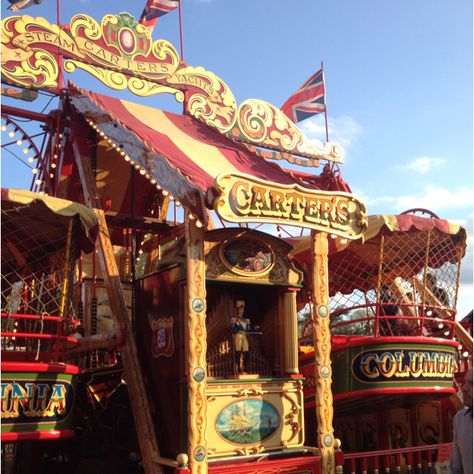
(60, 56)
(181, 30)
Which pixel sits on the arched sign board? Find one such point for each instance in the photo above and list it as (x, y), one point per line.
(244, 198)
(120, 53)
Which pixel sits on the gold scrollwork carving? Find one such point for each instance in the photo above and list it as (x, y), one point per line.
(119, 81)
(113, 79)
(196, 325)
(292, 418)
(42, 73)
(262, 123)
(322, 345)
(91, 27)
(246, 392)
(249, 450)
(209, 100)
(119, 45)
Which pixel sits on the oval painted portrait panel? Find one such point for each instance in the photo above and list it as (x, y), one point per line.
(247, 421)
(247, 256)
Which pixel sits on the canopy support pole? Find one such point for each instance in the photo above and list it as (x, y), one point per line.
(196, 344)
(136, 388)
(322, 351)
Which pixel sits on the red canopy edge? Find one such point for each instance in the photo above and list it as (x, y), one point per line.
(183, 155)
(61, 207)
(364, 253)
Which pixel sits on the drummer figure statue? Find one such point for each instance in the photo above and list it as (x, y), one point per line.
(240, 328)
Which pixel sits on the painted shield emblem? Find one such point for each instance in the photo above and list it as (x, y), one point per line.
(162, 341)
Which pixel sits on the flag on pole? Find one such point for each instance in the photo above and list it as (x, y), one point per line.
(308, 100)
(154, 9)
(17, 5)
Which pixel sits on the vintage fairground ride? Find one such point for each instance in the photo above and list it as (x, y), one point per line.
(396, 346)
(173, 375)
(42, 238)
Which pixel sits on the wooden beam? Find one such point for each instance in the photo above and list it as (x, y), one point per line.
(136, 388)
(463, 336)
(104, 340)
(148, 224)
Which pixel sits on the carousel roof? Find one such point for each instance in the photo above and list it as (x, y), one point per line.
(48, 215)
(183, 155)
(409, 235)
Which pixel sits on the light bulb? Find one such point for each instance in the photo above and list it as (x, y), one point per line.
(19, 142)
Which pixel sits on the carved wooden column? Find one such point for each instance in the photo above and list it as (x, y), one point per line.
(290, 332)
(196, 343)
(136, 388)
(322, 351)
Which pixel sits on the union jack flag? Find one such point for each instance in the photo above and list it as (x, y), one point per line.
(154, 9)
(308, 100)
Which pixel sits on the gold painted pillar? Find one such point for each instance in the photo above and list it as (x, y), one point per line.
(322, 351)
(196, 343)
(290, 332)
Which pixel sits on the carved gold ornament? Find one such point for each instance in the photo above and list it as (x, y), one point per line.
(120, 53)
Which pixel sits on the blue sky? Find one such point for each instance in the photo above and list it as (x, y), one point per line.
(398, 81)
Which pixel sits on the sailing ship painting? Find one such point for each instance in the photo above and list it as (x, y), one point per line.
(247, 421)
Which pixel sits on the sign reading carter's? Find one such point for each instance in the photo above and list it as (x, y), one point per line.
(244, 198)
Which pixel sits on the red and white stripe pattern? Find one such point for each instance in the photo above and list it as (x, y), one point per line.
(308, 100)
(154, 9)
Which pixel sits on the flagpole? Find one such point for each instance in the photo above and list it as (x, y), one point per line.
(181, 30)
(60, 56)
(325, 105)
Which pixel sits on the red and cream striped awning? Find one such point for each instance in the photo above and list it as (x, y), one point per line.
(178, 153)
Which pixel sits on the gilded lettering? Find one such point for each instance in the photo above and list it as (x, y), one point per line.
(296, 205)
(387, 364)
(88, 45)
(258, 203)
(277, 199)
(29, 37)
(326, 208)
(312, 210)
(57, 401)
(365, 365)
(239, 198)
(343, 214)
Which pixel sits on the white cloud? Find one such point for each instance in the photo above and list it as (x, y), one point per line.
(465, 300)
(342, 130)
(433, 198)
(421, 165)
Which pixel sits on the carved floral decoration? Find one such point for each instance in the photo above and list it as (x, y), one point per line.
(121, 53)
